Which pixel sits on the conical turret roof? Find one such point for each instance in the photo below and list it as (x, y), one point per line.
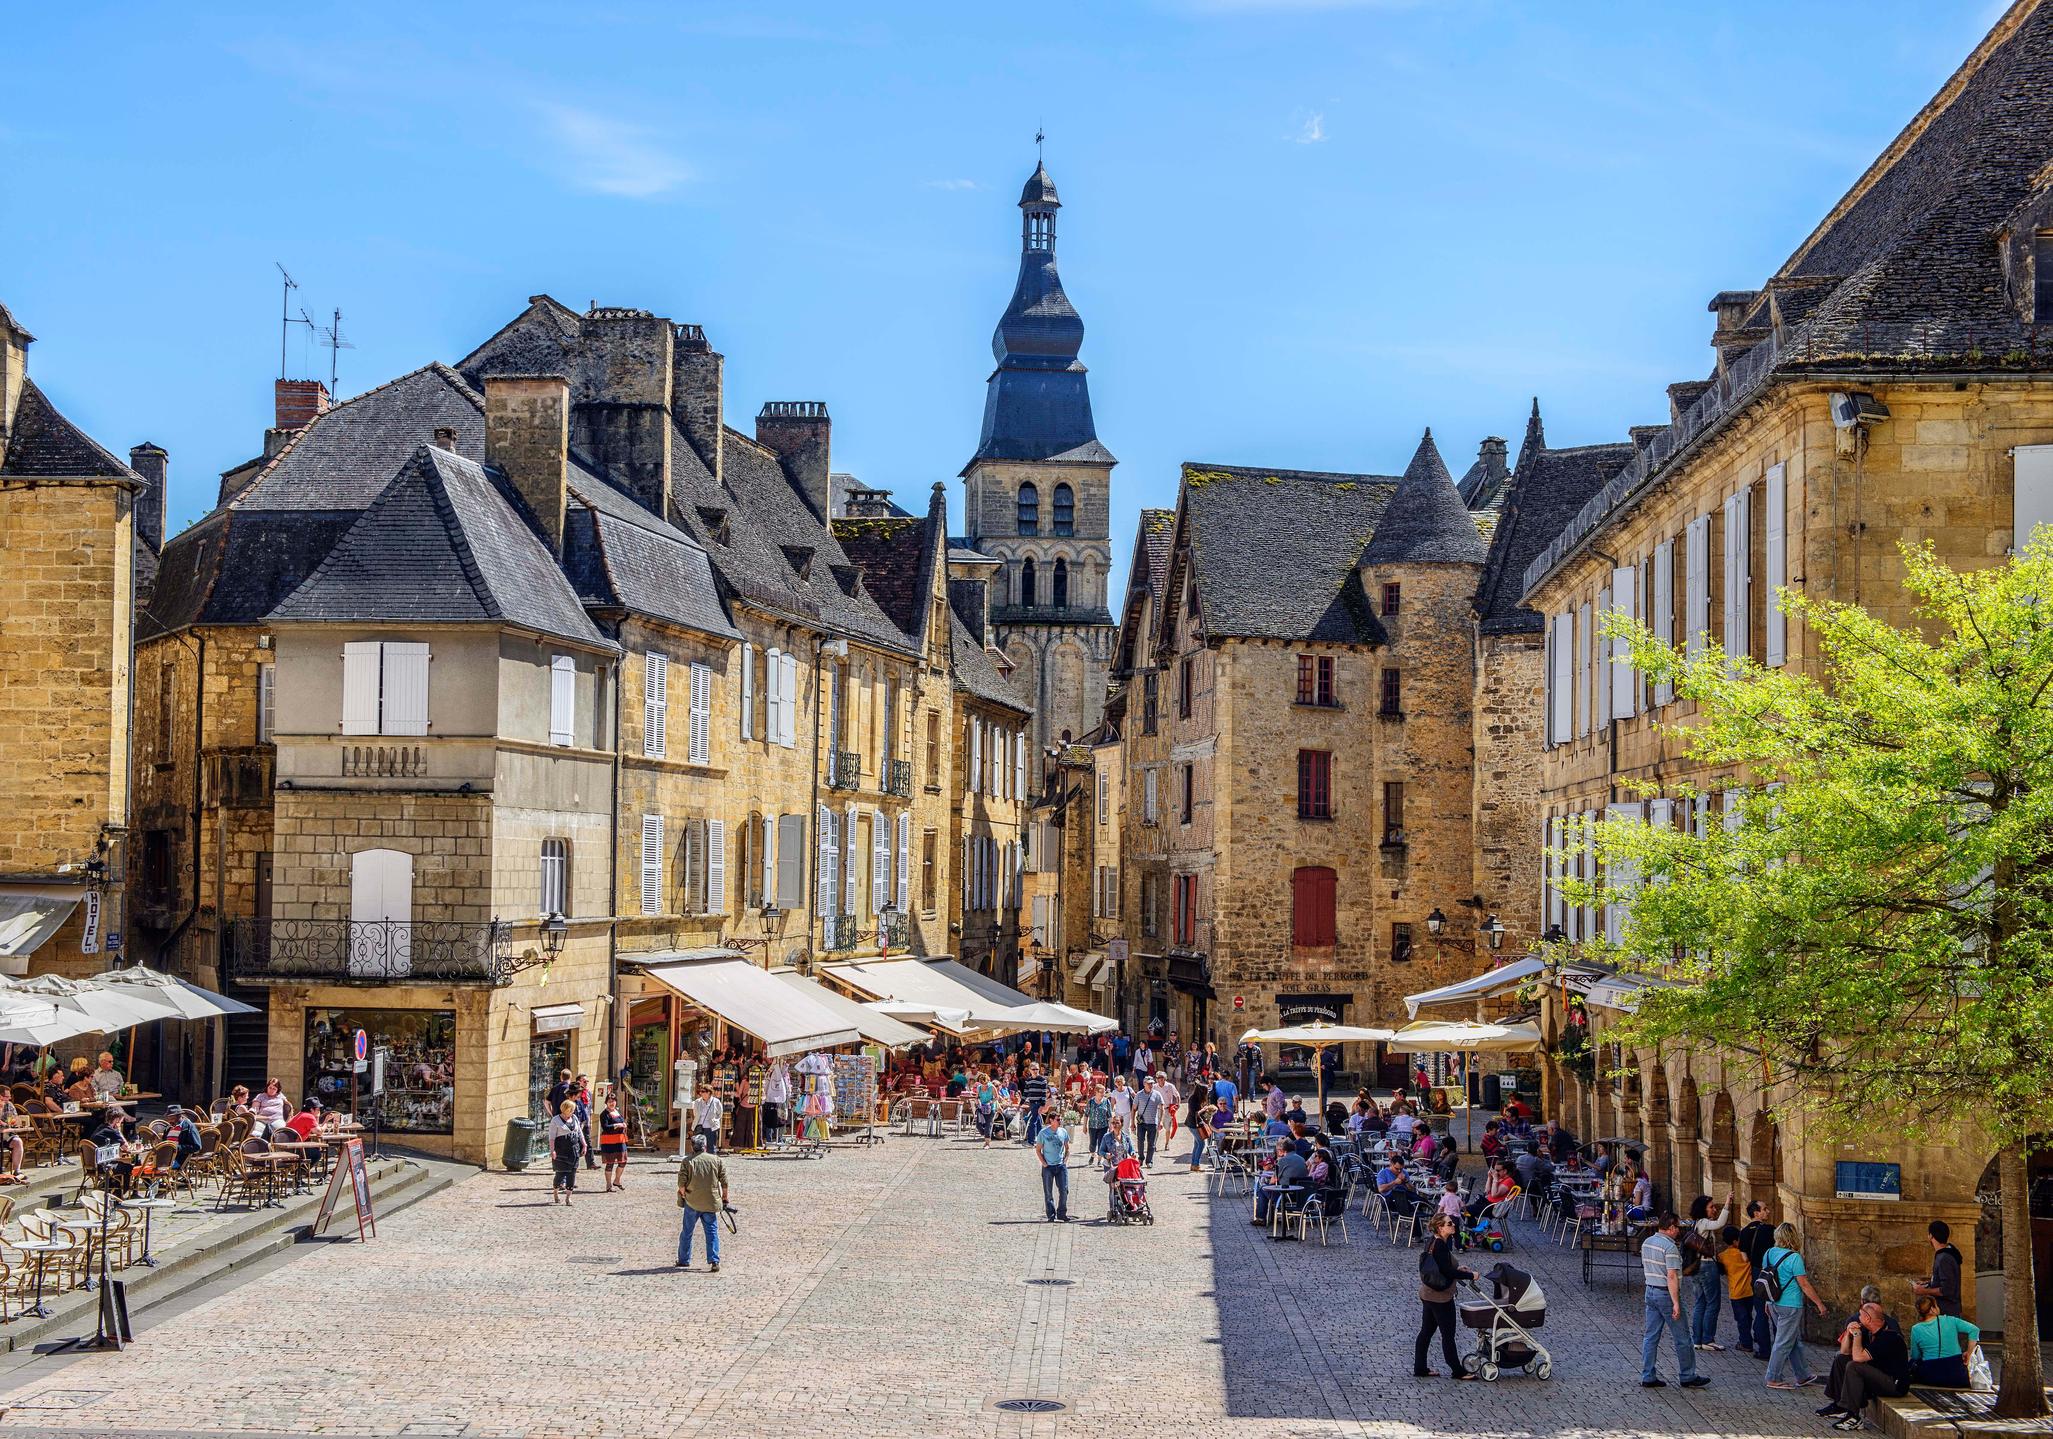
(1426, 523)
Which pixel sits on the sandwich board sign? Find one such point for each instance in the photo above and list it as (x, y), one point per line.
(350, 1170)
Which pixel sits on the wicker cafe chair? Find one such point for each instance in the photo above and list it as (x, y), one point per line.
(88, 1170)
(65, 1268)
(124, 1233)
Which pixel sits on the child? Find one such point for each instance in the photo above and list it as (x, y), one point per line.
(1450, 1205)
(1739, 1285)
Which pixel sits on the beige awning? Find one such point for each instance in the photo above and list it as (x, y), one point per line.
(936, 984)
(1487, 985)
(752, 1001)
(556, 1018)
(28, 917)
(879, 1028)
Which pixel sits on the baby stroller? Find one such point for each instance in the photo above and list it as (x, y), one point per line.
(1129, 1195)
(1504, 1320)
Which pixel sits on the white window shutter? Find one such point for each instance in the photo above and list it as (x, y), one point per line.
(1561, 693)
(791, 860)
(850, 861)
(1625, 684)
(880, 861)
(267, 702)
(905, 864)
(716, 866)
(976, 754)
(1696, 601)
(1600, 662)
(2031, 501)
(1582, 670)
(969, 859)
(652, 864)
(748, 691)
(790, 671)
(1775, 565)
(701, 713)
(655, 703)
(405, 685)
(1736, 575)
(770, 886)
(1732, 809)
(773, 696)
(1019, 768)
(1554, 872)
(1589, 872)
(830, 865)
(562, 698)
(1662, 618)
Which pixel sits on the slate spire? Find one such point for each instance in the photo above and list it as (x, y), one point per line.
(1535, 439)
(1426, 522)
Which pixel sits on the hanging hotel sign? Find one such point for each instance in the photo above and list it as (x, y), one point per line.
(89, 941)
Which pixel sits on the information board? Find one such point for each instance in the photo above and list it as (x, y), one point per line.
(1855, 1179)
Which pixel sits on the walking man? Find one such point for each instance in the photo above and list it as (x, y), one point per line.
(701, 1192)
(1661, 1263)
(1033, 1093)
(1052, 1139)
(1147, 1122)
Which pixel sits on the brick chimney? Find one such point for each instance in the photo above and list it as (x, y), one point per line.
(799, 431)
(527, 439)
(154, 466)
(697, 396)
(297, 402)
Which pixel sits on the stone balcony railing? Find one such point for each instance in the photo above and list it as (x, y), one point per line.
(384, 951)
(384, 761)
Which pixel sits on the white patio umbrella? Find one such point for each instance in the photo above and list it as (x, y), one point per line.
(1061, 1019)
(24, 1021)
(111, 1007)
(956, 1021)
(1466, 1037)
(190, 1000)
(1318, 1035)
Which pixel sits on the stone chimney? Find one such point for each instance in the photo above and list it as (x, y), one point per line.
(445, 438)
(154, 466)
(297, 402)
(623, 383)
(698, 396)
(527, 439)
(799, 431)
(865, 503)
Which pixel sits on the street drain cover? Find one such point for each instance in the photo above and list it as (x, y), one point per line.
(1052, 1283)
(1031, 1406)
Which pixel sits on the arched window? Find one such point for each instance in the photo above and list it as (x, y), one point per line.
(1065, 510)
(1060, 590)
(1029, 509)
(1311, 906)
(1026, 582)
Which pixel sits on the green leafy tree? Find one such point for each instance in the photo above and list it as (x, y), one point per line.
(1873, 915)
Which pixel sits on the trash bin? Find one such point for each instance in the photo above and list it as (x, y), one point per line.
(1493, 1091)
(520, 1142)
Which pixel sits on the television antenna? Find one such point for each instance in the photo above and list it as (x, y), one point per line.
(331, 336)
(285, 320)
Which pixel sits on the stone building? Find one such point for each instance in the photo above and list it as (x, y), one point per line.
(542, 556)
(78, 531)
(1038, 494)
(1886, 383)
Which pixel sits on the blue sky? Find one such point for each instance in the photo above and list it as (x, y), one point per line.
(1298, 231)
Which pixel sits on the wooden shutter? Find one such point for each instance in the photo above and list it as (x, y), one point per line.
(850, 862)
(1738, 574)
(2031, 500)
(769, 891)
(790, 677)
(1623, 878)
(1625, 680)
(652, 864)
(562, 698)
(1561, 691)
(791, 860)
(976, 754)
(1582, 671)
(655, 703)
(905, 864)
(1312, 892)
(360, 687)
(1696, 585)
(830, 866)
(773, 696)
(880, 861)
(701, 740)
(1555, 871)
(748, 691)
(1600, 662)
(1661, 613)
(267, 703)
(1019, 766)
(716, 866)
(405, 683)
(1775, 567)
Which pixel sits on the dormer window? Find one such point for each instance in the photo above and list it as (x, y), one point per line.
(1065, 510)
(849, 578)
(801, 560)
(715, 520)
(1029, 509)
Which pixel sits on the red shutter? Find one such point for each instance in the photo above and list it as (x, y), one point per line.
(1312, 891)
(1307, 690)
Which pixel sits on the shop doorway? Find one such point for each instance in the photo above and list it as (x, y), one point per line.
(548, 1056)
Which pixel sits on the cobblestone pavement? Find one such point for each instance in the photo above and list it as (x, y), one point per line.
(882, 1291)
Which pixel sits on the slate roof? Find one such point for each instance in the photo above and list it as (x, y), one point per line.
(841, 485)
(1426, 523)
(1153, 543)
(344, 458)
(7, 319)
(440, 545)
(1546, 490)
(977, 674)
(1275, 551)
(892, 554)
(618, 555)
(45, 445)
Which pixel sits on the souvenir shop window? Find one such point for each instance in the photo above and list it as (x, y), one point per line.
(420, 1070)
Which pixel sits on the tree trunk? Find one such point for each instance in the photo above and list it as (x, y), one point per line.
(2022, 1393)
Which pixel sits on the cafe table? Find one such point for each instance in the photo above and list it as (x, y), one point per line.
(149, 1207)
(40, 1250)
(311, 1151)
(270, 1164)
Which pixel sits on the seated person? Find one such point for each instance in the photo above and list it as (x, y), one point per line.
(1299, 1140)
(1319, 1169)
(1295, 1114)
(238, 1100)
(1358, 1116)
(1562, 1145)
(1389, 1176)
(1426, 1148)
(1534, 1169)
(271, 1107)
(1373, 1122)
(307, 1122)
(1288, 1183)
(9, 1115)
(1493, 1140)
(1639, 1203)
(1402, 1124)
(1447, 1160)
(1499, 1186)
(185, 1132)
(1276, 1128)
(107, 1080)
(1873, 1363)
(111, 1138)
(1940, 1345)
(80, 1089)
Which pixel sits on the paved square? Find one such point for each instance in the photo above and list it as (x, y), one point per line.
(881, 1291)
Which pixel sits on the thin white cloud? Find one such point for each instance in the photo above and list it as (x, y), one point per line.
(611, 157)
(951, 185)
(1311, 129)
(1268, 7)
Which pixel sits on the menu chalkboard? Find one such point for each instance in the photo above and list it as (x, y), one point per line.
(350, 1169)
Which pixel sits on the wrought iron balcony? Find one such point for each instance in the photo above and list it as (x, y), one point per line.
(382, 951)
(839, 931)
(844, 770)
(898, 777)
(894, 931)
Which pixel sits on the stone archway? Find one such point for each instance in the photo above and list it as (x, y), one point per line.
(1683, 1122)
(1654, 1128)
(1764, 1158)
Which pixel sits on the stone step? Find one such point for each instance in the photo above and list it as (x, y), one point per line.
(396, 1184)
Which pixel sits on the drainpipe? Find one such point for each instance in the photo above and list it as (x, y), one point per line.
(616, 1022)
(823, 646)
(199, 730)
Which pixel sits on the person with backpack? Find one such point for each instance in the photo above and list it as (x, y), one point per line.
(1756, 1238)
(1700, 1242)
(1944, 1285)
(1786, 1287)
